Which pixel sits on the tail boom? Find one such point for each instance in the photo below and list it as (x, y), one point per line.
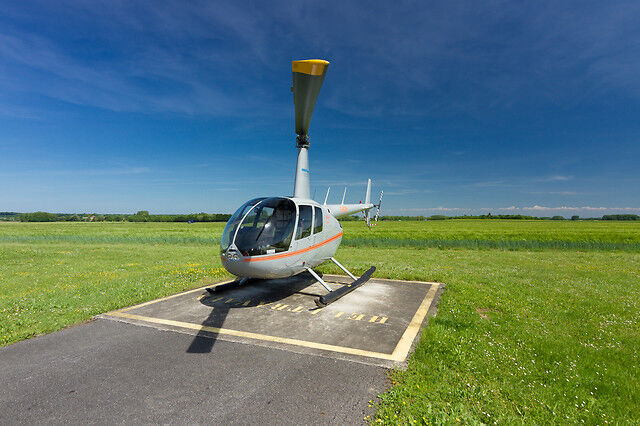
(339, 210)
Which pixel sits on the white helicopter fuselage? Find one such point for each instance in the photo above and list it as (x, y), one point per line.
(310, 234)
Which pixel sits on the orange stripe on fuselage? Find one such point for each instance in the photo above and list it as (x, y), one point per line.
(293, 253)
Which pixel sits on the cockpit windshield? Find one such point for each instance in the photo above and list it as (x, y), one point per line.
(234, 221)
(268, 228)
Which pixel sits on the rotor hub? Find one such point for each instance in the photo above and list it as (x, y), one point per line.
(302, 141)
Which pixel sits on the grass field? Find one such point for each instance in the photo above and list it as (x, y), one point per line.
(539, 321)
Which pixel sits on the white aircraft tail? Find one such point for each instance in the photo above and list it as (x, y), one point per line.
(367, 200)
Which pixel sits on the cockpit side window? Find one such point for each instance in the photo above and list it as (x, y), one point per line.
(305, 220)
(232, 224)
(317, 220)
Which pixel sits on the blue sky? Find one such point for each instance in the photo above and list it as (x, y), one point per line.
(451, 107)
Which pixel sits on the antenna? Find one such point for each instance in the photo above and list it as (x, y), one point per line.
(308, 76)
(327, 196)
(344, 194)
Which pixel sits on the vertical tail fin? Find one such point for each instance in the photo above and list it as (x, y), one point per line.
(367, 198)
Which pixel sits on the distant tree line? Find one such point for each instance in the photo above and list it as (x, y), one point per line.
(144, 216)
(621, 217)
(141, 216)
(483, 216)
(497, 216)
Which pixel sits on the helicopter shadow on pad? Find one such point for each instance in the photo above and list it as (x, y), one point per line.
(258, 292)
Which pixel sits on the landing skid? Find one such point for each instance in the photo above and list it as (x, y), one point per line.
(334, 295)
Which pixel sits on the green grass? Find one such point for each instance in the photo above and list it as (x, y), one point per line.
(471, 234)
(499, 234)
(76, 271)
(534, 337)
(112, 233)
(545, 333)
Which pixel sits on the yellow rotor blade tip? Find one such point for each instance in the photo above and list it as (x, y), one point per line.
(310, 66)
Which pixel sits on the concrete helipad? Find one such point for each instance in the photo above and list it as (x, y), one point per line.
(375, 324)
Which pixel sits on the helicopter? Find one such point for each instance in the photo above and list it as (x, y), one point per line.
(279, 237)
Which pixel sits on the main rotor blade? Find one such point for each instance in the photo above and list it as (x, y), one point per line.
(308, 76)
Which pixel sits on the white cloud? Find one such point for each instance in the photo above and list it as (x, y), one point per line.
(559, 178)
(574, 208)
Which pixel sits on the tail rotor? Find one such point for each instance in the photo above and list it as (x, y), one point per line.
(379, 205)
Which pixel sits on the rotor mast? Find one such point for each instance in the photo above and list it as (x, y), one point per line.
(308, 76)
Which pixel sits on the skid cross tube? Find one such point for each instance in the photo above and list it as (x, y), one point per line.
(320, 280)
(343, 268)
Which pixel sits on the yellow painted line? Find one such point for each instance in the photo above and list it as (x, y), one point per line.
(167, 298)
(298, 309)
(383, 320)
(246, 303)
(255, 336)
(339, 314)
(373, 318)
(404, 345)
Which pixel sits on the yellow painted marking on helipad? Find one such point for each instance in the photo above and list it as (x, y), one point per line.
(404, 345)
(355, 317)
(399, 354)
(298, 309)
(201, 296)
(256, 336)
(282, 307)
(246, 303)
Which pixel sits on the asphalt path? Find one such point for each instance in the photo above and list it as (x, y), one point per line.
(113, 372)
